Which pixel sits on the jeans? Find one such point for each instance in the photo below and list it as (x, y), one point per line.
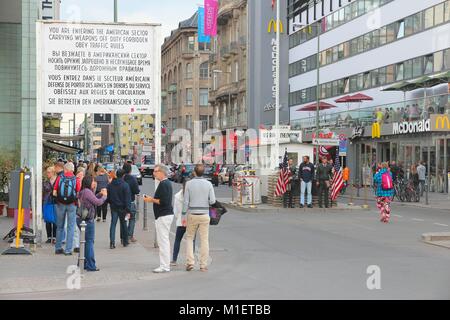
(89, 236)
(306, 186)
(76, 235)
(422, 187)
(162, 225)
(176, 246)
(323, 192)
(118, 215)
(63, 210)
(102, 211)
(201, 223)
(51, 230)
(132, 221)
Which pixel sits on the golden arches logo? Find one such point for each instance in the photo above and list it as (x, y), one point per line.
(274, 27)
(376, 130)
(442, 122)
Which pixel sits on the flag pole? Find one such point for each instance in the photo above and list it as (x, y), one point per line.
(277, 85)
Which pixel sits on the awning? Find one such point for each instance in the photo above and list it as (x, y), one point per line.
(58, 137)
(60, 147)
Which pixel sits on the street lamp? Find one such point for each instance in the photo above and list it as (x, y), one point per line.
(318, 25)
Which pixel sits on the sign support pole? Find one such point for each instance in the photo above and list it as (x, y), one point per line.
(39, 147)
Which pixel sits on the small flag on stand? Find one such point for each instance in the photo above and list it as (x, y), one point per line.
(337, 182)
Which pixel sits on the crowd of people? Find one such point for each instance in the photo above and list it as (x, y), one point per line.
(83, 192)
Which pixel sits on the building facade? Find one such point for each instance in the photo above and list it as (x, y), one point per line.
(135, 131)
(186, 82)
(367, 47)
(18, 73)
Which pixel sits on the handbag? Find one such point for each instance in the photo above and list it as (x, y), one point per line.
(49, 212)
(216, 211)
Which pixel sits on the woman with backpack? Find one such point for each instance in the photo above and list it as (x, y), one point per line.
(88, 202)
(384, 191)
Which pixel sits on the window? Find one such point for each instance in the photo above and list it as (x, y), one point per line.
(408, 69)
(341, 54)
(367, 41)
(361, 44)
(354, 9)
(189, 97)
(382, 76)
(375, 39)
(401, 30)
(346, 85)
(204, 70)
(383, 36)
(174, 100)
(409, 26)
(417, 67)
(367, 80)
(348, 13)
(438, 61)
(429, 18)
(418, 22)
(428, 64)
(390, 74)
(335, 53)
(390, 36)
(439, 14)
(447, 11)
(204, 121)
(346, 49)
(236, 72)
(399, 72)
(188, 122)
(353, 84)
(329, 55)
(360, 7)
(203, 97)
(360, 81)
(189, 71)
(447, 59)
(191, 44)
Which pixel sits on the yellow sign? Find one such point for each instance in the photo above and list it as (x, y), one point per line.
(273, 26)
(440, 122)
(376, 130)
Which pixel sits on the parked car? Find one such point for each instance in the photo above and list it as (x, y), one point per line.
(136, 173)
(223, 175)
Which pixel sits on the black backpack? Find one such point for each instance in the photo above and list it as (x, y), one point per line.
(66, 192)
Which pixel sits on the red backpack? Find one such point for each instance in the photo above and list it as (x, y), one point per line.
(386, 181)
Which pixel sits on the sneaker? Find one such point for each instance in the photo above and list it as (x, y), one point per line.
(112, 245)
(48, 241)
(98, 219)
(133, 239)
(302, 206)
(76, 250)
(67, 253)
(104, 220)
(173, 264)
(161, 270)
(189, 267)
(205, 269)
(310, 206)
(59, 251)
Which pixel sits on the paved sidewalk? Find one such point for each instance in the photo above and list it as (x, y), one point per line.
(48, 271)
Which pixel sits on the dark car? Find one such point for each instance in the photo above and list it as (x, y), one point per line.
(136, 173)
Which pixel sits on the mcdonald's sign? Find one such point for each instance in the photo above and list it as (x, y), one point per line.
(440, 122)
(273, 27)
(376, 130)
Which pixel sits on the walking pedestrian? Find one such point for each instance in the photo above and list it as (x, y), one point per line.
(134, 188)
(384, 191)
(345, 178)
(102, 180)
(306, 176)
(163, 210)
(198, 197)
(324, 173)
(119, 199)
(47, 199)
(287, 196)
(421, 171)
(89, 201)
(414, 177)
(231, 172)
(181, 230)
(65, 190)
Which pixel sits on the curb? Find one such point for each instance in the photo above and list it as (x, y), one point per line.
(287, 210)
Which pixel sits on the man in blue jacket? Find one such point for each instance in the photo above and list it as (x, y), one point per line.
(134, 188)
(306, 175)
(119, 199)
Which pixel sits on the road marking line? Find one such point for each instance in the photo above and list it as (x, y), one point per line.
(441, 224)
(399, 216)
(414, 219)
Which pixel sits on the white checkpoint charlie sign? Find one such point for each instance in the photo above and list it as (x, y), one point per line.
(98, 67)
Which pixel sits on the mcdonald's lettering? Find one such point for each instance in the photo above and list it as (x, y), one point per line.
(274, 27)
(441, 122)
(412, 127)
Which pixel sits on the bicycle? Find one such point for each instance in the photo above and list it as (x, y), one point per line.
(399, 190)
(411, 193)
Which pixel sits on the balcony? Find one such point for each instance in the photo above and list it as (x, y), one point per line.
(188, 53)
(234, 48)
(225, 52)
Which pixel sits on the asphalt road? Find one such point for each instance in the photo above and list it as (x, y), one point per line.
(302, 255)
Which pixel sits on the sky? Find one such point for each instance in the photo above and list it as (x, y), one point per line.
(167, 12)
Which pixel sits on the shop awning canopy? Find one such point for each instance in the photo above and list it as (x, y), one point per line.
(313, 106)
(58, 137)
(420, 83)
(60, 147)
(403, 86)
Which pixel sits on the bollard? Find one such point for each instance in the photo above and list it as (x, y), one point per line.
(357, 188)
(232, 191)
(253, 196)
(426, 191)
(145, 227)
(138, 205)
(351, 194)
(240, 191)
(81, 257)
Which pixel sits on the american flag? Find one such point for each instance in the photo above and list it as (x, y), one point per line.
(283, 178)
(337, 183)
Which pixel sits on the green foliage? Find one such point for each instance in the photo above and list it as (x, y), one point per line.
(8, 162)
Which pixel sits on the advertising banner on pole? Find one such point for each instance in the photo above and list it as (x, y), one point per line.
(99, 67)
(202, 38)
(211, 12)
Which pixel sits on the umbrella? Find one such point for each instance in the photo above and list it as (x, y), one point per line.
(359, 97)
(313, 106)
(345, 99)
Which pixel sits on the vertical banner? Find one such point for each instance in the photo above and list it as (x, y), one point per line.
(201, 27)
(211, 12)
